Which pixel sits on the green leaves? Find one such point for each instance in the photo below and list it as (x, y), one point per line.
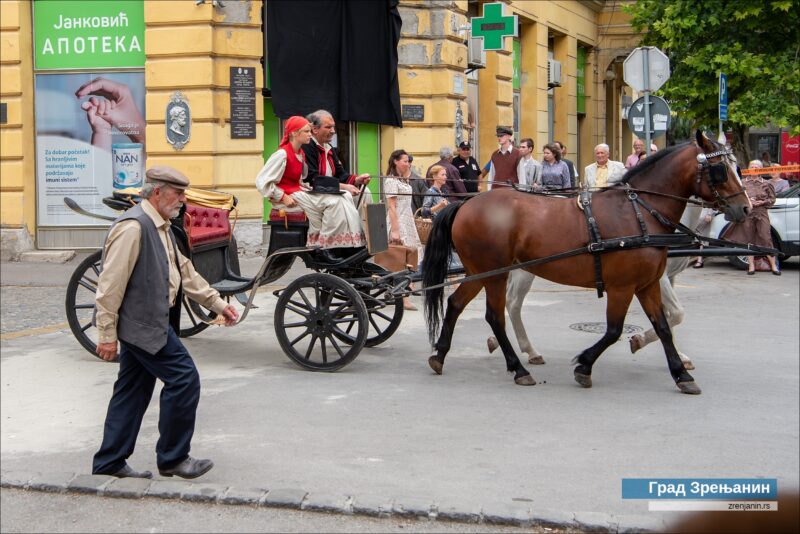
(756, 43)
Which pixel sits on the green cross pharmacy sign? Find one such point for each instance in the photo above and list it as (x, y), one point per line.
(493, 26)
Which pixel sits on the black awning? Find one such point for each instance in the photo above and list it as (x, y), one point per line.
(338, 55)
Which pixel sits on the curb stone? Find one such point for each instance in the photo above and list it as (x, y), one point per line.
(372, 505)
(514, 513)
(284, 498)
(128, 488)
(200, 492)
(91, 484)
(56, 482)
(166, 489)
(17, 479)
(413, 508)
(328, 502)
(243, 496)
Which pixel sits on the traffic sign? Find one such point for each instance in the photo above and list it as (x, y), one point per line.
(493, 26)
(646, 69)
(659, 117)
(723, 97)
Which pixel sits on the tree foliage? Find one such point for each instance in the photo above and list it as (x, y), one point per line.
(756, 43)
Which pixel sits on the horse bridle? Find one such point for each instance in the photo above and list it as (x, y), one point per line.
(716, 174)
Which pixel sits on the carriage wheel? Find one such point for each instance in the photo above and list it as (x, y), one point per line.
(385, 315)
(311, 313)
(81, 293)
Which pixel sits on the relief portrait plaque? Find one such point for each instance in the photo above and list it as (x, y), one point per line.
(178, 121)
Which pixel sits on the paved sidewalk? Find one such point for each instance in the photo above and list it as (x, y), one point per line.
(386, 436)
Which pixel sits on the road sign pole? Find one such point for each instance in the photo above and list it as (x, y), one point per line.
(646, 74)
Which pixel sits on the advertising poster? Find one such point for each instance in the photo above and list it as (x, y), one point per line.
(87, 145)
(90, 126)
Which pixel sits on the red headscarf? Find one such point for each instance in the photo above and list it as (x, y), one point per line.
(293, 124)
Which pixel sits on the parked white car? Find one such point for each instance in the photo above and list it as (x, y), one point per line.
(784, 218)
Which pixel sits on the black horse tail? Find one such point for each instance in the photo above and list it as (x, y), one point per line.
(438, 253)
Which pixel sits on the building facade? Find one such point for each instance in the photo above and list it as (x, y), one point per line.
(180, 53)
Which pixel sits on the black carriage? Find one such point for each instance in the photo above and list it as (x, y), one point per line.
(322, 319)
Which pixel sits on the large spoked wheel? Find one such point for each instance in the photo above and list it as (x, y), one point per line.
(311, 313)
(385, 315)
(81, 293)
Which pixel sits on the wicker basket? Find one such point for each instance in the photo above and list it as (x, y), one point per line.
(423, 226)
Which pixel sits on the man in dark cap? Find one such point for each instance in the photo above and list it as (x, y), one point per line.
(467, 167)
(138, 305)
(504, 160)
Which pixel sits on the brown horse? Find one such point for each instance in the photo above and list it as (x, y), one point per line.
(505, 226)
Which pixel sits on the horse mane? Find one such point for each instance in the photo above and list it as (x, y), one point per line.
(652, 161)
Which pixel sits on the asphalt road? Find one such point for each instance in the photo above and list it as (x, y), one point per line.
(386, 426)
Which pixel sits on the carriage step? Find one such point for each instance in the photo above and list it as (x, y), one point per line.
(236, 288)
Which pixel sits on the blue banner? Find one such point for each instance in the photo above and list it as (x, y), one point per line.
(728, 489)
(723, 97)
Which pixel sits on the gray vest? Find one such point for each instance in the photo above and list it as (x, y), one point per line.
(144, 314)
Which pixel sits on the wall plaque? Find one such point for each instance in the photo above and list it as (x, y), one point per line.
(243, 102)
(178, 121)
(413, 112)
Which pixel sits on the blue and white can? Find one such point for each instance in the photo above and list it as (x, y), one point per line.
(127, 165)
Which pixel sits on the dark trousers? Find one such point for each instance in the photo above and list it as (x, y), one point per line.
(133, 390)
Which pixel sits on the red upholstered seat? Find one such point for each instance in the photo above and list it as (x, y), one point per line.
(206, 225)
(287, 216)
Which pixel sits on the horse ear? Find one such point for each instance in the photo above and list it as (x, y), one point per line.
(703, 141)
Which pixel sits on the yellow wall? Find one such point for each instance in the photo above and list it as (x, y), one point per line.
(190, 49)
(17, 157)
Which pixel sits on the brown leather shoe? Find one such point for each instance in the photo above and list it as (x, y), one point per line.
(189, 468)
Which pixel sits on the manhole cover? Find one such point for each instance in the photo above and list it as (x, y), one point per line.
(600, 328)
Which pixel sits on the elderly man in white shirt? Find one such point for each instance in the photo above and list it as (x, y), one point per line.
(603, 172)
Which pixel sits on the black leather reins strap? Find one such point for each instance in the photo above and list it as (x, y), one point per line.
(595, 241)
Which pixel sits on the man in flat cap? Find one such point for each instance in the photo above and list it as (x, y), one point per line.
(138, 304)
(505, 160)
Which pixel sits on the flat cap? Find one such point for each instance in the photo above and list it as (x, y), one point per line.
(167, 175)
(504, 130)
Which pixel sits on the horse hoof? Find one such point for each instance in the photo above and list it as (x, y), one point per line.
(690, 388)
(435, 364)
(689, 366)
(492, 344)
(536, 360)
(636, 343)
(584, 380)
(526, 380)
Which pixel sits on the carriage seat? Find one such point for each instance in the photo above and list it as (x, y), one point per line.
(284, 216)
(206, 225)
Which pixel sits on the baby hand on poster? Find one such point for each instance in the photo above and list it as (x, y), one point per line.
(121, 111)
(96, 112)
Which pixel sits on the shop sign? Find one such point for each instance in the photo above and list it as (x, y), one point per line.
(70, 34)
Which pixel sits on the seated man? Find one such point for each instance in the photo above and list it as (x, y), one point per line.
(334, 223)
(603, 172)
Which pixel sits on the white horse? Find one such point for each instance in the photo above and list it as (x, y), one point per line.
(520, 281)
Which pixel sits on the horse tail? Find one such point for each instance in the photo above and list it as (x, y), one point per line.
(438, 254)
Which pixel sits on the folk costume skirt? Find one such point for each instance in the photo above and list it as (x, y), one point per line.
(333, 221)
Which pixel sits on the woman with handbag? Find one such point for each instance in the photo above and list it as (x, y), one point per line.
(400, 220)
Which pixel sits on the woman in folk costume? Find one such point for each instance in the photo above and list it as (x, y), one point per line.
(333, 221)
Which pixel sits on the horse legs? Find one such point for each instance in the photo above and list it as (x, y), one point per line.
(455, 305)
(495, 316)
(517, 288)
(650, 299)
(618, 302)
(673, 311)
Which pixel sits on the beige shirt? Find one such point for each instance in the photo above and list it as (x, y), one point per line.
(121, 253)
